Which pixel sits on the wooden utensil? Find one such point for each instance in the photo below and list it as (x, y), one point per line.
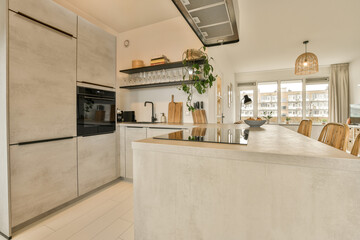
(171, 110)
(178, 112)
(203, 116)
(194, 116)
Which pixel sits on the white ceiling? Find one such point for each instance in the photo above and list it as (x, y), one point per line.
(271, 32)
(124, 15)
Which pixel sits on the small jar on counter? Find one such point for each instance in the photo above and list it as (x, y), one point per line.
(163, 118)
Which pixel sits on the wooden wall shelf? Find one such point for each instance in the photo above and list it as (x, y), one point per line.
(162, 84)
(158, 67)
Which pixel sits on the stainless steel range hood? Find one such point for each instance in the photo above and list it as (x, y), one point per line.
(213, 21)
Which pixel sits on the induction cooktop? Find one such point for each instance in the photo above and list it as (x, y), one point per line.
(211, 135)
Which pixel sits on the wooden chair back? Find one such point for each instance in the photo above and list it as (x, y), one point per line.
(356, 147)
(305, 127)
(335, 135)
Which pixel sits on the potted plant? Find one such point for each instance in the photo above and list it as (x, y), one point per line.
(323, 121)
(287, 120)
(268, 116)
(202, 75)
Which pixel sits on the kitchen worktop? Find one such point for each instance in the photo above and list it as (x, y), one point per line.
(266, 142)
(281, 185)
(173, 125)
(156, 124)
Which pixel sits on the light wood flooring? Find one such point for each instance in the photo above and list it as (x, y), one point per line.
(105, 215)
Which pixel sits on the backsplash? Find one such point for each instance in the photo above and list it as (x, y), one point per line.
(133, 100)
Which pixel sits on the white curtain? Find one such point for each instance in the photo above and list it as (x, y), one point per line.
(339, 93)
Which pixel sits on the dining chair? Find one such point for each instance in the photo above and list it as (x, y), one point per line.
(335, 135)
(356, 147)
(305, 127)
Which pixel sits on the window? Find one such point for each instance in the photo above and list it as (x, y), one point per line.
(267, 100)
(291, 101)
(317, 101)
(294, 99)
(247, 110)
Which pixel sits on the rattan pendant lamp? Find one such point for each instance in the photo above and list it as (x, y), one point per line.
(307, 63)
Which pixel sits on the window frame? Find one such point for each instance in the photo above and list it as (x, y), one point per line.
(245, 86)
(277, 94)
(254, 86)
(314, 81)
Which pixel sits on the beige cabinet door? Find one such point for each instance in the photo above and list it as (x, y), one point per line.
(153, 132)
(96, 161)
(122, 151)
(48, 12)
(96, 60)
(132, 134)
(43, 176)
(42, 82)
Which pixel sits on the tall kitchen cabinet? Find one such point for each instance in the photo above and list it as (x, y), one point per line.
(42, 107)
(96, 66)
(96, 60)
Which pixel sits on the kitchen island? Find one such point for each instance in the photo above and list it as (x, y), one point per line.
(281, 186)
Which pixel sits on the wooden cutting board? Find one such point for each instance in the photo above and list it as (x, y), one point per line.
(178, 112)
(171, 110)
(175, 111)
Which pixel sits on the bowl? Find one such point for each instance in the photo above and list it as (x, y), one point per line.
(254, 123)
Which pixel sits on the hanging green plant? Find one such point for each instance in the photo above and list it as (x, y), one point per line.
(201, 74)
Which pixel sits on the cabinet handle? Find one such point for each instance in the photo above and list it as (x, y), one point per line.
(100, 98)
(135, 127)
(100, 85)
(42, 141)
(45, 24)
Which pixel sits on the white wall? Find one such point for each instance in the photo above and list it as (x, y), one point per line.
(354, 75)
(279, 74)
(171, 38)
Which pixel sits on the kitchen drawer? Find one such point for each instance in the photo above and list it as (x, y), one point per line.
(48, 12)
(43, 176)
(96, 161)
(132, 134)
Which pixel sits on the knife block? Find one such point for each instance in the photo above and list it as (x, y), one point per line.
(199, 116)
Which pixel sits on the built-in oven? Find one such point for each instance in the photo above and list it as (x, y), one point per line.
(95, 111)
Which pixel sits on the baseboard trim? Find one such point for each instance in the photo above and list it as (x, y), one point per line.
(5, 236)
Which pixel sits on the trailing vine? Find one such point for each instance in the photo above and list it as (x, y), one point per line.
(201, 75)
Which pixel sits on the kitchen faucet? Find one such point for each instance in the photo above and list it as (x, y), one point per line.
(153, 118)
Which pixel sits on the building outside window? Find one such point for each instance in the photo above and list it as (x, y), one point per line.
(298, 99)
(317, 101)
(267, 100)
(291, 101)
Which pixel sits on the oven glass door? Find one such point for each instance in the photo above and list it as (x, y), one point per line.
(96, 115)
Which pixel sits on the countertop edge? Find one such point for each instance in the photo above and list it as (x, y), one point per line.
(351, 164)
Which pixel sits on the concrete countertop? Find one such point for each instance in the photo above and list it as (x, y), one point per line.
(266, 143)
(165, 125)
